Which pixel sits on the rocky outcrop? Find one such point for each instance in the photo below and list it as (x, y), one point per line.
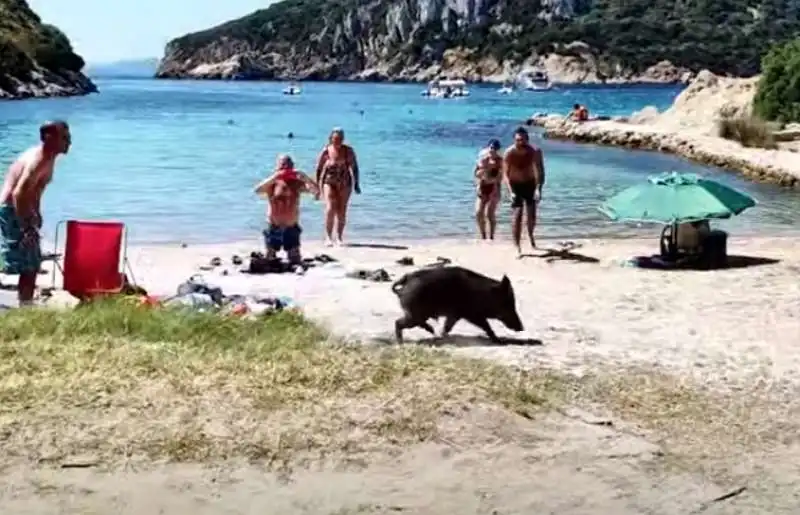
(575, 41)
(688, 128)
(36, 59)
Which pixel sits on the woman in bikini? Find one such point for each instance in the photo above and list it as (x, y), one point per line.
(487, 180)
(337, 177)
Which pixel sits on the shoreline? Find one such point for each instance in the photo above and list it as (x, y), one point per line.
(489, 81)
(780, 167)
(641, 234)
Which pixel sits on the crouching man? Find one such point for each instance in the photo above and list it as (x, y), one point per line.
(282, 191)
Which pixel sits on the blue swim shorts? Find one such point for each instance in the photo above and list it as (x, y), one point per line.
(286, 238)
(16, 255)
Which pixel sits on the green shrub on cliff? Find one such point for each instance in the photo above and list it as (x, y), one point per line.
(750, 132)
(23, 38)
(778, 95)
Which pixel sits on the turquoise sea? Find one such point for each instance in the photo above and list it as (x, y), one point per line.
(177, 160)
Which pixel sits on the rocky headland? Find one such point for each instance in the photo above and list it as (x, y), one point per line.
(690, 128)
(36, 59)
(574, 41)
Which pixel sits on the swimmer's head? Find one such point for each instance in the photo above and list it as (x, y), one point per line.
(337, 136)
(285, 162)
(494, 144)
(55, 136)
(521, 137)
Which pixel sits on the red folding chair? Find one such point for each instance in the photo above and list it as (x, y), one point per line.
(93, 252)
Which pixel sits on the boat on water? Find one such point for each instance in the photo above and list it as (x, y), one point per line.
(292, 89)
(446, 88)
(507, 89)
(536, 80)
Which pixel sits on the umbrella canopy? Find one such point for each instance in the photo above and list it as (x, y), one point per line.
(676, 198)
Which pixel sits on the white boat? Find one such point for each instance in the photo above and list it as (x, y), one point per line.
(292, 89)
(444, 88)
(507, 89)
(536, 80)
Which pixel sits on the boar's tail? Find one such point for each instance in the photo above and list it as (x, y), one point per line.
(398, 284)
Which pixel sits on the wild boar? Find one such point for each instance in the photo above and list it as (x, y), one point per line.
(454, 293)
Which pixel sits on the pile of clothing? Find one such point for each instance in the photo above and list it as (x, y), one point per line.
(197, 294)
(261, 264)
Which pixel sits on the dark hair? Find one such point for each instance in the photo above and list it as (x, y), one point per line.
(521, 131)
(494, 144)
(49, 128)
(576, 106)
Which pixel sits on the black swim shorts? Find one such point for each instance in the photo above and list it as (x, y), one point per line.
(523, 193)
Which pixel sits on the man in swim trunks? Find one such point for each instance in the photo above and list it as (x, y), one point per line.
(20, 207)
(487, 178)
(282, 190)
(523, 172)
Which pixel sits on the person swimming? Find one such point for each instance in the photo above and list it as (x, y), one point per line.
(487, 177)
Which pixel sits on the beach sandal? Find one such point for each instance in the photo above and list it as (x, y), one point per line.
(440, 261)
(236, 260)
(215, 261)
(324, 258)
(379, 276)
(405, 261)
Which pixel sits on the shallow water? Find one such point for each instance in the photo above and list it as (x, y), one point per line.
(176, 160)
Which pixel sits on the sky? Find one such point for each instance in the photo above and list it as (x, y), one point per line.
(104, 31)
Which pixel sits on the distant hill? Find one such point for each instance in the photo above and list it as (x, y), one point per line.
(133, 68)
(575, 41)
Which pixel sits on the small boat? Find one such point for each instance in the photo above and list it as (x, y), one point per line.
(536, 80)
(507, 89)
(292, 89)
(444, 88)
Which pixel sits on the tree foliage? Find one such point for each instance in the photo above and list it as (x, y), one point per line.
(724, 36)
(778, 95)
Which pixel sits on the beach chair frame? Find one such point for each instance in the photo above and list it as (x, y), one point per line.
(124, 265)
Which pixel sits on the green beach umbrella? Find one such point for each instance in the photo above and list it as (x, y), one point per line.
(676, 198)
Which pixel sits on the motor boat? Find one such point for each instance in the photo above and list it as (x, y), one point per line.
(536, 80)
(446, 89)
(292, 89)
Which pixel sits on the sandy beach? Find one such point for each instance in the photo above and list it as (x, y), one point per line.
(734, 331)
(723, 327)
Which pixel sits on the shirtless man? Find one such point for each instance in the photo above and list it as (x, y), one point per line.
(20, 207)
(523, 173)
(282, 190)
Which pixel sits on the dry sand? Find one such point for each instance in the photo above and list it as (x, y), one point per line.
(736, 331)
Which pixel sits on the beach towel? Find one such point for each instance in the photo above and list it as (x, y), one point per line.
(20, 250)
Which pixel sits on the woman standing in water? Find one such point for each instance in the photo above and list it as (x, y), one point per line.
(337, 177)
(487, 179)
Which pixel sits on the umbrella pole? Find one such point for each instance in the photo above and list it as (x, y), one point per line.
(674, 238)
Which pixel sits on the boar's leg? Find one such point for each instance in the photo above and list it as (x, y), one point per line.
(449, 322)
(484, 324)
(407, 322)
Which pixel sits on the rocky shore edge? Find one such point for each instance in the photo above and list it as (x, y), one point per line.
(780, 167)
(44, 83)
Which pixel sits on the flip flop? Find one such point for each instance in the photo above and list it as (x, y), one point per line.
(215, 261)
(236, 260)
(405, 261)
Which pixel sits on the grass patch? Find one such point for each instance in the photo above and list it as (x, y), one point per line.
(116, 382)
(749, 131)
(114, 379)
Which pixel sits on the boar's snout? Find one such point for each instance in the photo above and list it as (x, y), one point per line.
(508, 309)
(513, 322)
